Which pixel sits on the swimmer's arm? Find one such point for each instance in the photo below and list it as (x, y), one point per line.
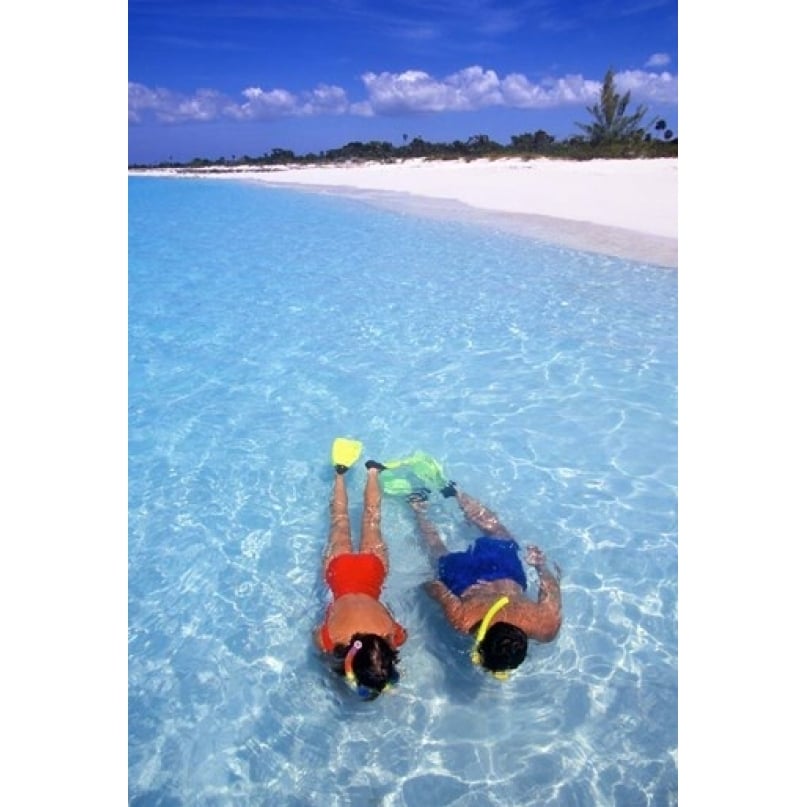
(399, 635)
(546, 614)
(451, 604)
(316, 635)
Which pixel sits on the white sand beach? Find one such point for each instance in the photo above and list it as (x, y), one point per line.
(624, 208)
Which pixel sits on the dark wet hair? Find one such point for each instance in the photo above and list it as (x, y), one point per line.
(503, 648)
(373, 664)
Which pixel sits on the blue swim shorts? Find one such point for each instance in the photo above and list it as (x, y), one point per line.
(485, 559)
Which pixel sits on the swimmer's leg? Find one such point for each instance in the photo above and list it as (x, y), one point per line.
(371, 538)
(435, 546)
(480, 515)
(339, 541)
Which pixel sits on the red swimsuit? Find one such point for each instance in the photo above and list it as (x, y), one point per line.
(355, 573)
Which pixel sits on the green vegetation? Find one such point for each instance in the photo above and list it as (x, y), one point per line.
(613, 133)
(611, 123)
(613, 129)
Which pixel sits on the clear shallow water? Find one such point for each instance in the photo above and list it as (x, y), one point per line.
(265, 322)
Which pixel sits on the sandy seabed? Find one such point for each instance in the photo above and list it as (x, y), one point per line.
(623, 208)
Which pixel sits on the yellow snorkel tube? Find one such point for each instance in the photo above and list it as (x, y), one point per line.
(476, 656)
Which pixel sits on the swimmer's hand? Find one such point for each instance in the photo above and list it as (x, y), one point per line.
(535, 557)
(435, 589)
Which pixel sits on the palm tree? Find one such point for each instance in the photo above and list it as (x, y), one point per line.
(611, 123)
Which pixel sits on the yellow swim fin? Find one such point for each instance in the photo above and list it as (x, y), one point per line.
(345, 452)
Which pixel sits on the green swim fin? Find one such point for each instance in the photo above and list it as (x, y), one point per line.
(404, 475)
(345, 452)
(396, 486)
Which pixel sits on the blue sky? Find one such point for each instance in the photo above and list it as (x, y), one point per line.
(212, 78)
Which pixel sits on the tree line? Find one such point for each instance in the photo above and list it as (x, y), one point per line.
(612, 132)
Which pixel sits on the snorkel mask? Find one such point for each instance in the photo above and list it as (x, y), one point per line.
(476, 656)
(361, 690)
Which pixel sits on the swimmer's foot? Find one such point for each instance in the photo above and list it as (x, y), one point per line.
(379, 466)
(449, 490)
(340, 469)
(418, 495)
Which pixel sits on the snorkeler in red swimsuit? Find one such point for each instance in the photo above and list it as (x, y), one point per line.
(358, 630)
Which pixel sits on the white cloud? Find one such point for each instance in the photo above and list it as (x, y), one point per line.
(658, 60)
(412, 91)
(397, 93)
(325, 100)
(658, 87)
(477, 87)
(362, 110)
(470, 89)
(204, 105)
(263, 105)
(519, 92)
(170, 107)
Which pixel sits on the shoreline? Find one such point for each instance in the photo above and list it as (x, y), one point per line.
(621, 208)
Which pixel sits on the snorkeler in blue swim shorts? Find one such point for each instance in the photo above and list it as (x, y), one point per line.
(482, 590)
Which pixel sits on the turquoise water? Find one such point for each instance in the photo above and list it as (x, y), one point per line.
(265, 322)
